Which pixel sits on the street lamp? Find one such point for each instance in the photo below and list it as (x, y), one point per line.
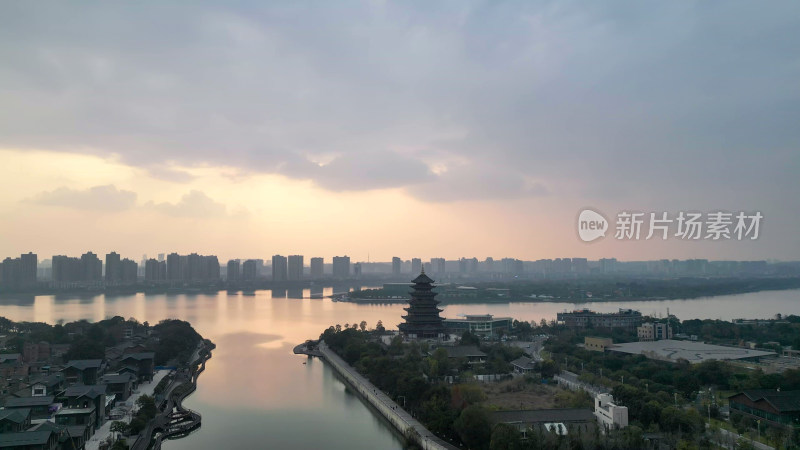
(758, 425)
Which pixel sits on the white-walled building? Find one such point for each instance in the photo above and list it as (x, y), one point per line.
(609, 415)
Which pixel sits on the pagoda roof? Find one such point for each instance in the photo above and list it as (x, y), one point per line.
(422, 279)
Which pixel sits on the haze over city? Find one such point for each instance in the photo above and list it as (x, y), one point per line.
(383, 129)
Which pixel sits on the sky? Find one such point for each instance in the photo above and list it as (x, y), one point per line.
(379, 129)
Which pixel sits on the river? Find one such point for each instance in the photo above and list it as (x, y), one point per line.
(256, 394)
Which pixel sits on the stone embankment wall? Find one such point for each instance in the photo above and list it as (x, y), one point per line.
(410, 427)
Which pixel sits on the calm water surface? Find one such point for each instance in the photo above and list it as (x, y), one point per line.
(256, 394)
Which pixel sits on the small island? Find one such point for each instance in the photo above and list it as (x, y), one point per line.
(111, 385)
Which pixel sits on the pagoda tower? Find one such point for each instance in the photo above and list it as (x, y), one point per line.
(423, 320)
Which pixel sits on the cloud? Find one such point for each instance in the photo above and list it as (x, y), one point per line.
(97, 198)
(477, 182)
(195, 204)
(596, 97)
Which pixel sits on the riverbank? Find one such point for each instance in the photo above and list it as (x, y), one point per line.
(409, 427)
(169, 424)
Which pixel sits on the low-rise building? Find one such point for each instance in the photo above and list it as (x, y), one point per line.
(471, 353)
(597, 344)
(780, 408)
(120, 385)
(479, 324)
(84, 371)
(610, 415)
(13, 420)
(29, 440)
(81, 396)
(624, 318)
(558, 421)
(40, 407)
(523, 364)
(144, 362)
(654, 331)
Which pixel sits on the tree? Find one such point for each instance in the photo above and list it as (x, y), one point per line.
(505, 437)
(470, 339)
(119, 426)
(147, 406)
(363, 325)
(473, 427)
(120, 445)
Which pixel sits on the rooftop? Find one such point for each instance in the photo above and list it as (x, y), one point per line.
(114, 378)
(543, 416)
(82, 390)
(27, 402)
(16, 415)
(464, 351)
(82, 364)
(523, 362)
(24, 438)
(139, 356)
(694, 352)
(783, 401)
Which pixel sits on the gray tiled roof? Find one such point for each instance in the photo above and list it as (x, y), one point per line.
(27, 402)
(24, 438)
(464, 351)
(82, 364)
(16, 415)
(82, 390)
(543, 416)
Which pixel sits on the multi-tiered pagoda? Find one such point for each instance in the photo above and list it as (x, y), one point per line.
(422, 320)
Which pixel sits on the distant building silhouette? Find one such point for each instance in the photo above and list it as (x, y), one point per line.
(249, 270)
(341, 267)
(438, 265)
(416, 265)
(295, 268)
(396, 265)
(233, 272)
(317, 269)
(130, 271)
(113, 268)
(357, 269)
(92, 267)
(279, 268)
(155, 270)
(19, 273)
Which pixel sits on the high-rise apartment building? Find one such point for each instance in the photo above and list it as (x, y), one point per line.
(438, 265)
(317, 268)
(295, 268)
(234, 269)
(341, 267)
(279, 268)
(92, 267)
(416, 266)
(249, 270)
(113, 268)
(397, 263)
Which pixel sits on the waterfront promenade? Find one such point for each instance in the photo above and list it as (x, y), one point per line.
(104, 432)
(408, 426)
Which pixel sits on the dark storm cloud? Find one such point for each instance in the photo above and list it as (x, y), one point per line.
(668, 100)
(97, 198)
